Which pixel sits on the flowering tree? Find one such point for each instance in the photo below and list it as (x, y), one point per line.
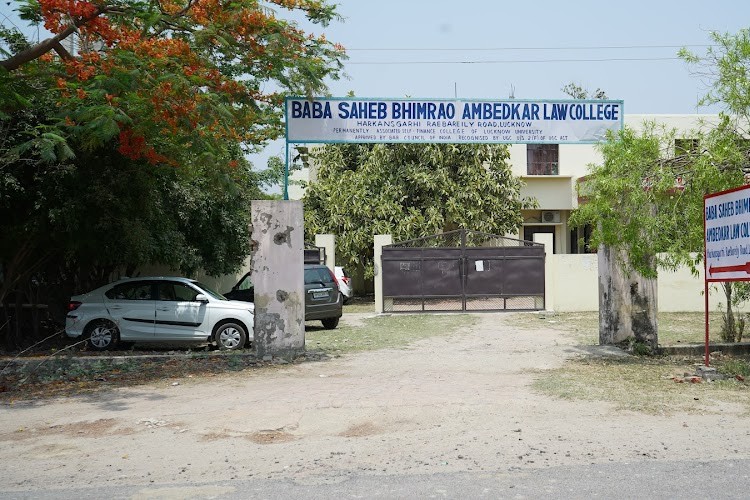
(123, 135)
(173, 79)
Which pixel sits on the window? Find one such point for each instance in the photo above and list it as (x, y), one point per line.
(542, 159)
(318, 275)
(245, 284)
(137, 290)
(176, 292)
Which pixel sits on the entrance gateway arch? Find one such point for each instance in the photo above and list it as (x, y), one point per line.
(418, 278)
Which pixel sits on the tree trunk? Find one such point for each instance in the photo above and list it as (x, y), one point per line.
(627, 302)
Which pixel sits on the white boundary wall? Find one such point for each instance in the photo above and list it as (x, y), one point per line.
(576, 286)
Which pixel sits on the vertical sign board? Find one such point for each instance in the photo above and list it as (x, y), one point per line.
(726, 220)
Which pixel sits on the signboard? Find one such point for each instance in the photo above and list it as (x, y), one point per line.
(727, 235)
(456, 121)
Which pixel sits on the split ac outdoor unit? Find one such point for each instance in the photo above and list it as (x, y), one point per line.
(550, 216)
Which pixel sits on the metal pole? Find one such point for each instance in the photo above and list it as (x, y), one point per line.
(705, 280)
(705, 295)
(286, 171)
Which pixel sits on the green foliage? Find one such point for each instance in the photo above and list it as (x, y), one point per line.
(648, 200)
(733, 320)
(576, 91)
(132, 151)
(726, 67)
(733, 367)
(409, 191)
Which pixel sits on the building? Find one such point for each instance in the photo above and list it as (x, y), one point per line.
(551, 173)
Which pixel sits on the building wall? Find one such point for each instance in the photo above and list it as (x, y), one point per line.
(558, 192)
(576, 287)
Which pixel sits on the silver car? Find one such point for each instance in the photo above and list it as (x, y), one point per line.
(158, 309)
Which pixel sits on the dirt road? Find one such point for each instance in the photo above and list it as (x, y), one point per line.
(443, 405)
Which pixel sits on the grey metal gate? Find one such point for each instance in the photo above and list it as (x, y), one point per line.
(313, 254)
(463, 271)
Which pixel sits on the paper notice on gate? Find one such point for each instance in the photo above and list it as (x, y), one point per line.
(479, 265)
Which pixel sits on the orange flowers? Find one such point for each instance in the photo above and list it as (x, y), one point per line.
(134, 146)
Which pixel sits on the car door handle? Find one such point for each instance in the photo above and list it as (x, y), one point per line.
(116, 308)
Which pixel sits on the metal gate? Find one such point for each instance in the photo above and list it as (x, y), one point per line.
(463, 271)
(313, 255)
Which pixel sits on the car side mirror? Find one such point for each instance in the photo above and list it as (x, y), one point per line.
(201, 298)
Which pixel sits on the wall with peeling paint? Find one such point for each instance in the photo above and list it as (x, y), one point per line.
(276, 262)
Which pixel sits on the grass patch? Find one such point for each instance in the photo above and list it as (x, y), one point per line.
(674, 328)
(642, 384)
(383, 332)
(733, 367)
(359, 307)
(583, 325)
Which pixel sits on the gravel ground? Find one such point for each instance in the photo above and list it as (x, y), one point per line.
(444, 405)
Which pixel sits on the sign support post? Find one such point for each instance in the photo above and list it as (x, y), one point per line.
(286, 170)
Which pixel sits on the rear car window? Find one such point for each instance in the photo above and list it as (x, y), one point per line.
(317, 275)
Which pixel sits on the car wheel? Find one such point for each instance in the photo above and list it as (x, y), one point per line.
(230, 336)
(103, 335)
(330, 323)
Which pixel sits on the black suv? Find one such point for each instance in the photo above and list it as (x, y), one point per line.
(322, 296)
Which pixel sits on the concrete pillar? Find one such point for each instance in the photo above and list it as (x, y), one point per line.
(627, 301)
(381, 240)
(327, 241)
(547, 240)
(277, 271)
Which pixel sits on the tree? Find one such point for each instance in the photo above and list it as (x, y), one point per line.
(646, 199)
(725, 67)
(172, 81)
(577, 91)
(130, 149)
(409, 191)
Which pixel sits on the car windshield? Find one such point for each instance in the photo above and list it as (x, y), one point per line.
(216, 295)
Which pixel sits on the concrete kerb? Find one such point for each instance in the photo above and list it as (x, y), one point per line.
(739, 348)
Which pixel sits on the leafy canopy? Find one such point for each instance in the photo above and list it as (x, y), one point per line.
(647, 195)
(128, 148)
(173, 80)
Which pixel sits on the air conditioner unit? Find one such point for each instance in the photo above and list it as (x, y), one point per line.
(550, 216)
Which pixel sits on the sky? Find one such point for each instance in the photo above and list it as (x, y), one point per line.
(477, 49)
(484, 49)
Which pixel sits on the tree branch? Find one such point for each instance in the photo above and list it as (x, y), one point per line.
(41, 48)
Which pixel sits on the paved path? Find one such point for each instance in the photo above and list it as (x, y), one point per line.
(446, 405)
